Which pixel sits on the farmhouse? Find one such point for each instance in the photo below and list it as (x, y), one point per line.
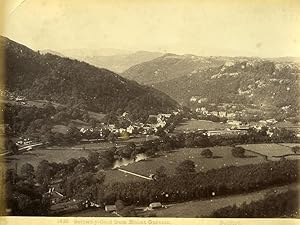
(234, 122)
(110, 208)
(155, 205)
(222, 114)
(271, 121)
(230, 115)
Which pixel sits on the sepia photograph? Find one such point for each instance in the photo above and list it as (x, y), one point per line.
(149, 109)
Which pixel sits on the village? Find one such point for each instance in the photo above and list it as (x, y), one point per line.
(139, 133)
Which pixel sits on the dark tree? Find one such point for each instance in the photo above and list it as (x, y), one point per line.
(207, 153)
(238, 152)
(93, 158)
(296, 149)
(27, 170)
(161, 172)
(43, 172)
(185, 167)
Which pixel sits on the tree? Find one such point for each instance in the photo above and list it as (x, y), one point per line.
(161, 172)
(111, 137)
(152, 120)
(296, 149)
(43, 172)
(119, 205)
(11, 146)
(80, 168)
(238, 152)
(93, 158)
(27, 170)
(128, 151)
(72, 163)
(207, 153)
(185, 167)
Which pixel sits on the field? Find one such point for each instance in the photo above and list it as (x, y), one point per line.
(206, 207)
(95, 146)
(269, 150)
(202, 125)
(54, 154)
(142, 139)
(293, 157)
(290, 144)
(62, 129)
(96, 116)
(222, 157)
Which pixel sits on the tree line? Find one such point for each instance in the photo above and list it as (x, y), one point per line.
(276, 205)
(192, 186)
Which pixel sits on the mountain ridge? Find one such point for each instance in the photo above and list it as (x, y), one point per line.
(64, 80)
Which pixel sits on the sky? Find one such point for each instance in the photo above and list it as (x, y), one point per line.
(200, 27)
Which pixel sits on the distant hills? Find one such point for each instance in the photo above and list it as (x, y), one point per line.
(170, 66)
(113, 59)
(245, 82)
(199, 81)
(67, 81)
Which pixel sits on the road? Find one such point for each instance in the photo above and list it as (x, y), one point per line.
(135, 174)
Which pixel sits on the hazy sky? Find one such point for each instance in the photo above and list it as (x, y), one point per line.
(224, 27)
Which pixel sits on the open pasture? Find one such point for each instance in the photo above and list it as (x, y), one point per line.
(221, 157)
(269, 150)
(193, 125)
(58, 154)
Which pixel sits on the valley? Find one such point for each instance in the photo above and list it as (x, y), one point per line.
(169, 136)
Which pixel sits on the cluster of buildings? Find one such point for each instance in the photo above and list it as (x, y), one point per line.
(132, 129)
(12, 97)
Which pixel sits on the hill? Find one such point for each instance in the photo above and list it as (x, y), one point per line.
(170, 66)
(120, 63)
(113, 59)
(71, 82)
(257, 82)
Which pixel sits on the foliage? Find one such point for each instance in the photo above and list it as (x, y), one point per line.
(192, 186)
(238, 152)
(207, 153)
(71, 82)
(277, 205)
(185, 167)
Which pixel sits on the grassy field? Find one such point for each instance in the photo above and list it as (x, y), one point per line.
(141, 139)
(95, 146)
(293, 157)
(96, 116)
(222, 157)
(201, 124)
(206, 207)
(34, 157)
(55, 154)
(62, 129)
(269, 150)
(290, 144)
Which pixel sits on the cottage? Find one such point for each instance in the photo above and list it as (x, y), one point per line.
(234, 122)
(155, 205)
(55, 196)
(222, 114)
(110, 208)
(130, 129)
(271, 121)
(230, 115)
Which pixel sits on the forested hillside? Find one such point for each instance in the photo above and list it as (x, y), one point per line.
(66, 81)
(246, 82)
